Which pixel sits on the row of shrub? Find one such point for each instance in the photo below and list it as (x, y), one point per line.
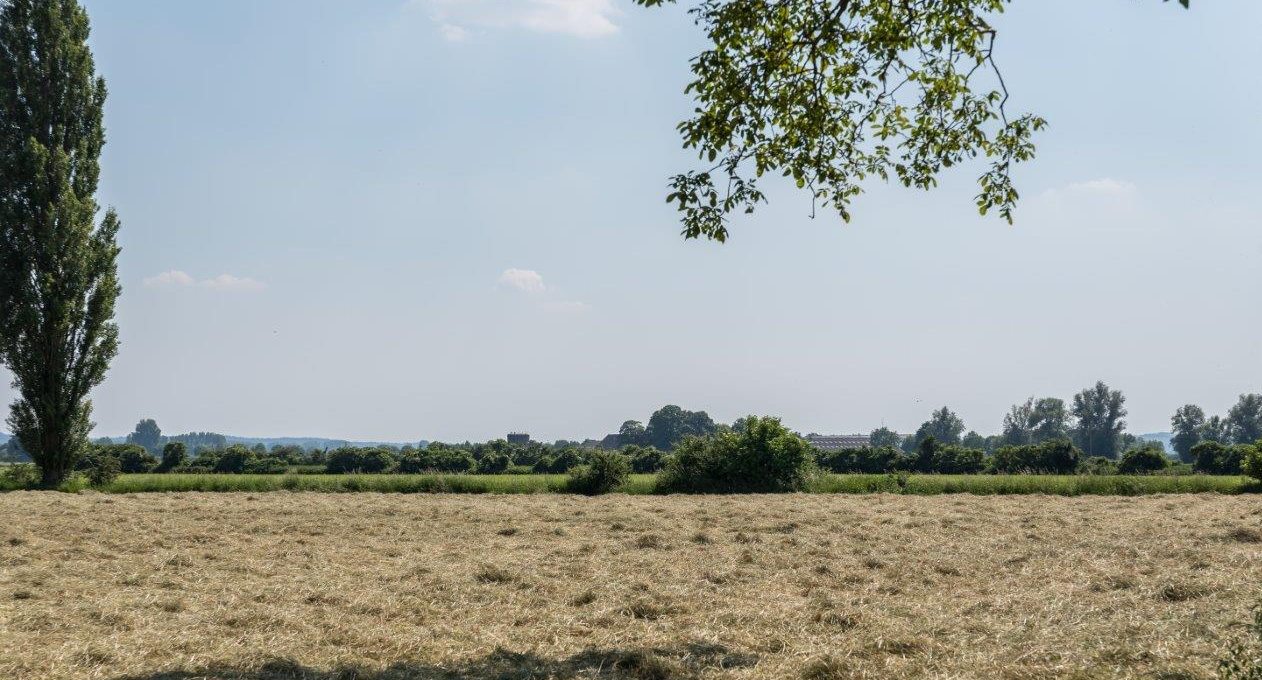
(762, 455)
(1055, 457)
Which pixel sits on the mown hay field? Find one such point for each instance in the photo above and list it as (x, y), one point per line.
(385, 587)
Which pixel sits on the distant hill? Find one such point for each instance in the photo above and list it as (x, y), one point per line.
(304, 442)
(310, 442)
(4, 438)
(1162, 437)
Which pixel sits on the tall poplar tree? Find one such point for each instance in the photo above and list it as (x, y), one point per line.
(58, 273)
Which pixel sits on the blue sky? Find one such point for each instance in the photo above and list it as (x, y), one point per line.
(444, 219)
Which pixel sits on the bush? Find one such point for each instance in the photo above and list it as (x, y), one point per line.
(1214, 458)
(1098, 465)
(233, 460)
(864, 460)
(932, 457)
(959, 460)
(604, 472)
(761, 457)
(493, 463)
(267, 465)
(411, 463)
(174, 454)
(105, 470)
(451, 460)
(644, 459)
(568, 458)
(1252, 465)
(22, 475)
(1143, 460)
(133, 459)
(1053, 457)
(347, 460)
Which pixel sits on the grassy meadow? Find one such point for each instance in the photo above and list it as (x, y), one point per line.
(318, 586)
(1059, 485)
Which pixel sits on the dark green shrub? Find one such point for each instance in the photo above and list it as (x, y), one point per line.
(105, 470)
(412, 463)
(932, 457)
(133, 459)
(1054, 457)
(451, 460)
(1214, 458)
(204, 462)
(1143, 460)
(342, 461)
(174, 454)
(436, 459)
(542, 466)
(865, 460)
(348, 460)
(960, 460)
(1098, 465)
(604, 472)
(266, 465)
(375, 460)
(761, 457)
(644, 459)
(21, 475)
(493, 463)
(567, 459)
(1252, 464)
(234, 459)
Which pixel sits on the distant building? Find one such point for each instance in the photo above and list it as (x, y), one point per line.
(838, 442)
(610, 442)
(519, 438)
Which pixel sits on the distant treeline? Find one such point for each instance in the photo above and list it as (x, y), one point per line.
(1058, 457)
(1085, 434)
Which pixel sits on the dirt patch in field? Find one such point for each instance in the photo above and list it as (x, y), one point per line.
(377, 587)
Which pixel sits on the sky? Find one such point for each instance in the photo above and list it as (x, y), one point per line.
(445, 219)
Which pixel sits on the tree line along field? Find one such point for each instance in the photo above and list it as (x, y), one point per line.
(816, 587)
(644, 484)
(759, 456)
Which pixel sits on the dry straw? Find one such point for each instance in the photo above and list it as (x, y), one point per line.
(386, 587)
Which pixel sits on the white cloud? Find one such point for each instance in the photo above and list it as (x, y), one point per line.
(528, 280)
(1094, 193)
(230, 282)
(578, 18)
(174, 277)
(1104, 185)
(571, 307)
(453, 33)
(182, 279)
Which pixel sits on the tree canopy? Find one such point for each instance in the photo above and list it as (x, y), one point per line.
(830, 93)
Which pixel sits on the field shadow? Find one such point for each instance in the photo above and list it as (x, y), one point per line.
(674, 663)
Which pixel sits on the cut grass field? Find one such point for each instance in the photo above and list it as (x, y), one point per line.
(1067, 485)
(287, 586)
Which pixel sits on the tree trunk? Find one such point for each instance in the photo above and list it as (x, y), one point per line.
(54, 473)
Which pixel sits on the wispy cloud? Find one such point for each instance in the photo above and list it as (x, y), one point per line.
(453, 33)
(527, 280)
(1104, 185)
(176, 278)
(577, 18)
